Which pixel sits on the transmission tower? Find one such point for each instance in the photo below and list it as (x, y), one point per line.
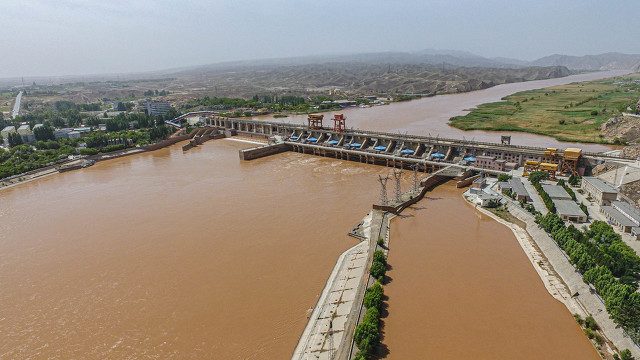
(383, 188)
(415, 177)
(397, 174)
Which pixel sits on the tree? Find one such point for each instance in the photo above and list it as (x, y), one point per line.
(373, 296)
(43, 133)
(14, 139)
(536, 176)
(626, 354)
(504, 177)
(377, 269)
(379, 256)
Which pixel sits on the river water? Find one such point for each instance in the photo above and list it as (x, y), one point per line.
(198, 255)
(171, 255)
(429, 116)
(462, 288)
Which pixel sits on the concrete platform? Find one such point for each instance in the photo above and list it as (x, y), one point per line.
(335, 305)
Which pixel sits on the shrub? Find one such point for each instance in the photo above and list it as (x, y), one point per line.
(377, 269)
(380, 241)
(579, 319)
(110, 148)
(590, 323)
(88, 151)
(626, 355)
(379, 256)
(373, 296)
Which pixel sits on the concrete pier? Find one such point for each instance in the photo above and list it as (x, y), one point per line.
(261, 151)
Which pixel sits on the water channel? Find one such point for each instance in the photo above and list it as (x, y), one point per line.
(462, 288)
(198, 255)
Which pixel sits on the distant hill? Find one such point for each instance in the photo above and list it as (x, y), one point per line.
(608, 61)
(445, 59)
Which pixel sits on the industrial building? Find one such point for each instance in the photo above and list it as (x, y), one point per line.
(6, 131)
(516, 186)
(26, 134)
(489, 163)
(556, 192)
(568, 210)
(61, 133)
(601, 192)
(154, 108)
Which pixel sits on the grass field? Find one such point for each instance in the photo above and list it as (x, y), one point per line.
(569, 112)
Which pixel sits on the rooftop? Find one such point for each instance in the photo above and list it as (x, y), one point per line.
(556, 192)
(599, 184)
(568, 207)
(617, 216)
(518, 187)
(627, 209)
(9, 128)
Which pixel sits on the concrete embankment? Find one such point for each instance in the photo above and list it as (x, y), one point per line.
(560, 278)
(329, 332)
(330, 328)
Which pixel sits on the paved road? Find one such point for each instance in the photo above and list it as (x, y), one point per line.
(16, 106)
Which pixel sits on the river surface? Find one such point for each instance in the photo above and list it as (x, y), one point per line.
(198, 255)
(430, 116)
(174, 255)
(462, 288)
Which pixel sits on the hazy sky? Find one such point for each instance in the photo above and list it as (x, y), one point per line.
(67, 37)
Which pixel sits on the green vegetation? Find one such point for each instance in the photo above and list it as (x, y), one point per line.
(583, 207)
(379, 266)
(504, 177)
(125, 130)
(567, 189)
(570, 112)
(606, 262)
(573, 180)
(626, 355)
(407, 97)
(535, 177)
(22, 158)
(367, 333)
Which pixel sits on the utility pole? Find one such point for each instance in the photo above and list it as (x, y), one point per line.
(383, 189)
(397, 174)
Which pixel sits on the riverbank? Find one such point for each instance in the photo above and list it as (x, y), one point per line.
(561, 279)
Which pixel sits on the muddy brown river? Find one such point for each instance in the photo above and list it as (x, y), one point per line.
(171, 255)
(197, 255)
(462, 288)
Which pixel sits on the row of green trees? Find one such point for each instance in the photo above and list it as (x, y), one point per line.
(606, 262)
(567, 189)
(367, 333)
(545, 197)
